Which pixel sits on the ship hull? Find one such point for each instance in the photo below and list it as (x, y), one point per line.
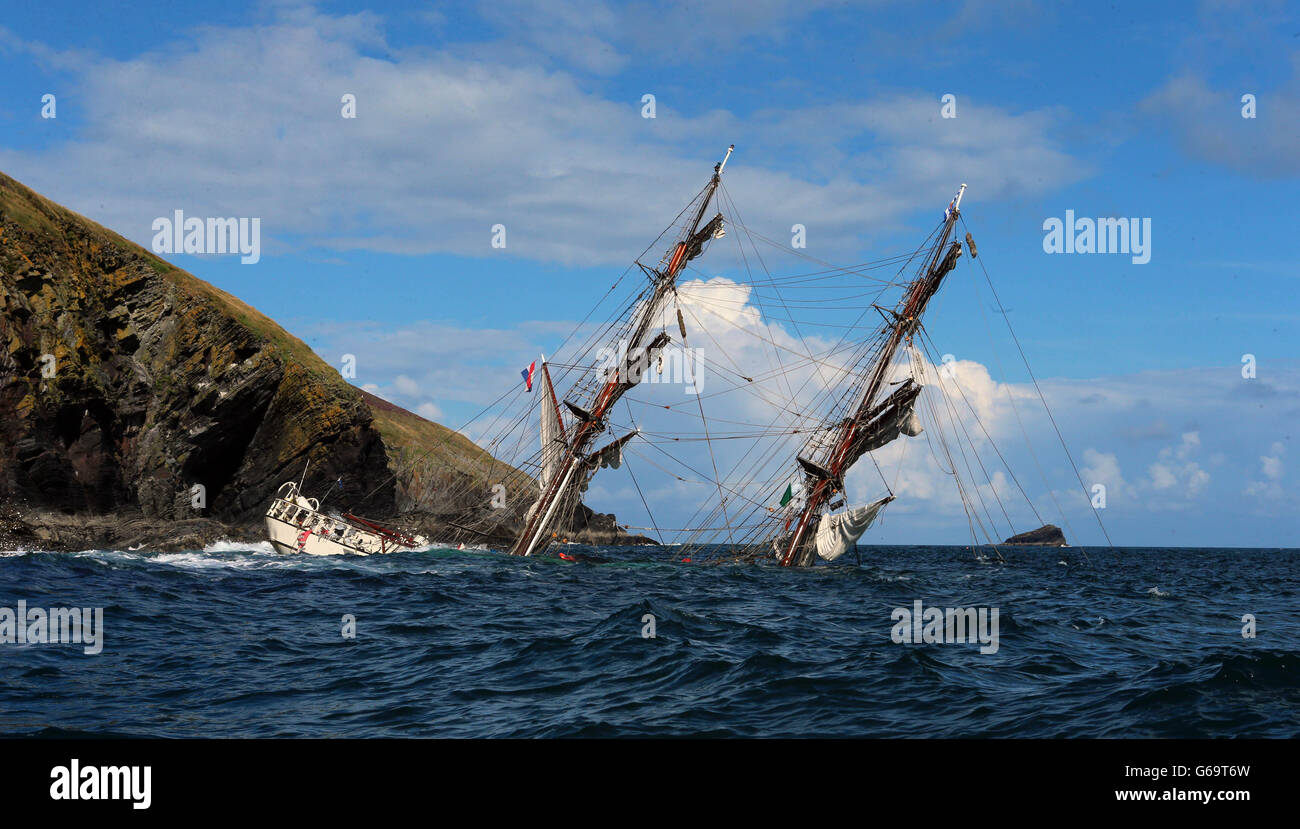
(290, 539)
(295, 526)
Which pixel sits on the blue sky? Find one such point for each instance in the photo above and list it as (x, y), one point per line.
(376, 230)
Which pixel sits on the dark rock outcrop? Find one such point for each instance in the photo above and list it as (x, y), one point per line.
(591, 527)
(125, 383)
(1048, 535)
(60, 532)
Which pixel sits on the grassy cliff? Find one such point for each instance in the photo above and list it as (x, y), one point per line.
(125, 382)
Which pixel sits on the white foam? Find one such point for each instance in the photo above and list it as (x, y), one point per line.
(452, 545)
(226, 546)
(195, 560)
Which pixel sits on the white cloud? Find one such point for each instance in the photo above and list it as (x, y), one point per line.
(405, 385)
(1208, 123)
(1162, 477)
(447, 144)
(1271, 489)
(1272, 467)
(1103, 468)
(1176, 470)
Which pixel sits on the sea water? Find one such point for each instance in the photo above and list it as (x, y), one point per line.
(238, 641)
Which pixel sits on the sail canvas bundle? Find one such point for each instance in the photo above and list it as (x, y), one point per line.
(839, 533)
(896, 416)
(611, 456)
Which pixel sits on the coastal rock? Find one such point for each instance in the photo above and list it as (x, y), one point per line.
(133, 390)
(61, 533)
(1048, 535)
(598, 528)
(126, 383)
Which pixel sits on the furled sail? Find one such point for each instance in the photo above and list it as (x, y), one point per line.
(898, 419)
(553, 440)
(611, 456)
(635, 365)
(895, 416)
(712, 230)
(838, 533)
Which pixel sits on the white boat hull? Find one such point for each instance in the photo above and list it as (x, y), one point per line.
(288, 538)
(294, 525)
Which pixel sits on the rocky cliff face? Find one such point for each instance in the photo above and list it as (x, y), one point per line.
(125, 383)
(158, 410)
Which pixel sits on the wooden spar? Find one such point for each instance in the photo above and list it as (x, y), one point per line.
(545, 507)
(918, 295)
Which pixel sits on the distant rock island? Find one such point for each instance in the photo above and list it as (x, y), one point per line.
(125, 382)
(1048, 535)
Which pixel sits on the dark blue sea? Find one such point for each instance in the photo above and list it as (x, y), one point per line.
(235, 641)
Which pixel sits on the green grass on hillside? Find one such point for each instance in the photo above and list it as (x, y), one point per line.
(38, 214)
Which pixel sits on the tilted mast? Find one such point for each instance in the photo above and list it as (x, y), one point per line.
(559, 489)
(872, 422)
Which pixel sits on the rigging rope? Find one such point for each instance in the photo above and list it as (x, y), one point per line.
(1046, 408)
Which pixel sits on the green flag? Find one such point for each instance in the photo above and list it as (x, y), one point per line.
(789, 494)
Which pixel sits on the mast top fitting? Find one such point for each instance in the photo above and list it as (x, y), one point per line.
(723, 163)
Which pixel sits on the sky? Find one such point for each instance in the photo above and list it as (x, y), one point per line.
(377, 230)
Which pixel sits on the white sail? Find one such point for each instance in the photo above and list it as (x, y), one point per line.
(912, 424)
(838, 533)
(553, 441)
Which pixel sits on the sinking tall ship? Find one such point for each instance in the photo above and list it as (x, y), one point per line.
(571, 422)
(569, 458)
(763, 455)
(878, 413)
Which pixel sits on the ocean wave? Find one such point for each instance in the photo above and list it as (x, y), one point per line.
(226, 546)
(233, 641)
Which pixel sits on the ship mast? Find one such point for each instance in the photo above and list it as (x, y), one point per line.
(558, 494)
(822, 482)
